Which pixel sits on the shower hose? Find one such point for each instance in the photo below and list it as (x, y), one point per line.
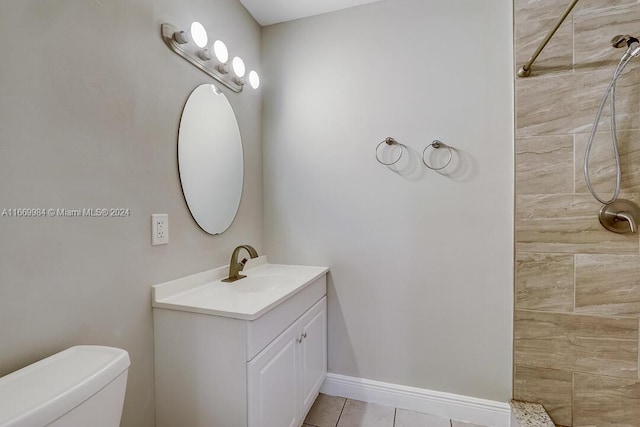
(610, 93)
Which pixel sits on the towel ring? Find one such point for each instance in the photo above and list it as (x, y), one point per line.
(389, 141)
(434, 146)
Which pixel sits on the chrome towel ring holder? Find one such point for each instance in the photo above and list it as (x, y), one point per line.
(426, 153)
(436, 145)
(389, 141)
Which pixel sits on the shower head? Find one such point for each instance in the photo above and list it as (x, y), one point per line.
(623, 40)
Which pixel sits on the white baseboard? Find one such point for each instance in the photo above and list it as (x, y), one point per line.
(457, 407)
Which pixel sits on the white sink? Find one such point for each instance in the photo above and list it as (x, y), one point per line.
(262, 283)
(265, 286)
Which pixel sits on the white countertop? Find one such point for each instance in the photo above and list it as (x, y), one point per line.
(265, 286)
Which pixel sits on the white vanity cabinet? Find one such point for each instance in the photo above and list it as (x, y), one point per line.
(284, 379)
(239, 369)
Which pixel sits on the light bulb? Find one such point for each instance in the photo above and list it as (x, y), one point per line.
(254, 79)
(238, 66)
(199, 34)
(220, 51)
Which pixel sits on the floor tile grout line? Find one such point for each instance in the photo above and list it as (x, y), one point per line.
(341, 411)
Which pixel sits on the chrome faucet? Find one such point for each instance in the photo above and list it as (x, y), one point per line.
(236, 267)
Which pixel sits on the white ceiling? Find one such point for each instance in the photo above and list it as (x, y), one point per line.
(268, 12)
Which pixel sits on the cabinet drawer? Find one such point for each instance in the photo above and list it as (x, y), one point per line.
(266, 328)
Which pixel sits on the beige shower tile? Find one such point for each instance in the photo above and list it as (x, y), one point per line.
(557, 56)
(627, 96)
(594, 30)
(535, 18)
(526, 11)
(362, 414)
(544, 282)
(544, 165)
(529, 10)
(556, 104)
(571, 342)
(562, 104)
(325, 411)
(415, 419)
(605, 401)
(602, 164)
(597, 6)
(608, 285)
(549, 387)
(567, 223)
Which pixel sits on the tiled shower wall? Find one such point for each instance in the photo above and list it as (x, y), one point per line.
(577, 284)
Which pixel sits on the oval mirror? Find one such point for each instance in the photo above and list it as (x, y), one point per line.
(210, 159)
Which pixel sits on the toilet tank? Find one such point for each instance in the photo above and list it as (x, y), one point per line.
(80, 387)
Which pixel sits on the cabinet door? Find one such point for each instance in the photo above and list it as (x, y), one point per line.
(313, 353)
(272, 383)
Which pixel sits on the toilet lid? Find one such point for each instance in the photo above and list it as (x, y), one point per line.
(46, 390)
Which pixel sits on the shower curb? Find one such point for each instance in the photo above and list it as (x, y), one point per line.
(526, 414)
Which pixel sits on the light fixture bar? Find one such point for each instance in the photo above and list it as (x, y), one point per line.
(167, 35)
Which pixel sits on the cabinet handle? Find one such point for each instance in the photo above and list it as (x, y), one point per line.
(299, 340)
(304, 335)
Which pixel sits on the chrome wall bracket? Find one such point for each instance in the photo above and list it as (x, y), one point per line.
(168, 30)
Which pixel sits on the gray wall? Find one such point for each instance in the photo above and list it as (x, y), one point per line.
(90, 101)
(421, 262)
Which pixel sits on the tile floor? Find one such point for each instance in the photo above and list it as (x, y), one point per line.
(331, 411)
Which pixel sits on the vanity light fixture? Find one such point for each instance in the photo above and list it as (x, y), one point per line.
(254, 79)
(200, 38)
(237, 65)
(199, 34)
(214, 62)
(222, 56)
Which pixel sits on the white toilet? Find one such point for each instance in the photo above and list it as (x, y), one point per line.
(83, 386)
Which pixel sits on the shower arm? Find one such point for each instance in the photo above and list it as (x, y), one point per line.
(525, 70)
